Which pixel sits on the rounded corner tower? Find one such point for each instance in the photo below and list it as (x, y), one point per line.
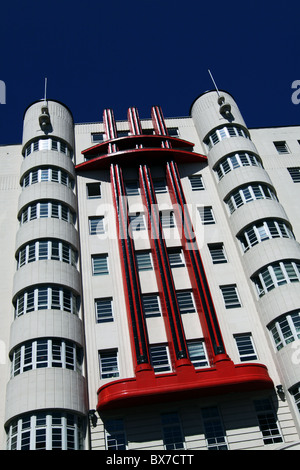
(46, 394)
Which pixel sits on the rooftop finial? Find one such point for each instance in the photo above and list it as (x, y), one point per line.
(212, 78)
(45, 93)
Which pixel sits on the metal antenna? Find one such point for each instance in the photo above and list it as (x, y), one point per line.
(212, 78)
(45, 94)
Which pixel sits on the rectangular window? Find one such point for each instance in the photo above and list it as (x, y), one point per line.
(93, 190)
(137, 222)
(281, 147)
(151, 305)
(100, 264)
(245, 347)
(267, 422)
(104, 310)
(295, 174)
(109, 367)
(213, 429)
(206, 215)
(196, 182)
(167, 219)
(96, 225)
(144, 261)
(217, 253)
(176, 257)
(172, 432)
(115, 434)
(197, 353)
(97, 137)
(132, 188)
(230, 296)
(160, 358)
(186, 302)
(160, 185)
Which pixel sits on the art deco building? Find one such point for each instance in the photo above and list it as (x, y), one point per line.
(150, 282)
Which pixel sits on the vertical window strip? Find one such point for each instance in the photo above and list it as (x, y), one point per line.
(267, 421)
(172, 432)
(214, 429)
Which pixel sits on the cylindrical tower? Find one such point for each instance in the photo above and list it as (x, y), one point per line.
(46, 395)
(259, 223)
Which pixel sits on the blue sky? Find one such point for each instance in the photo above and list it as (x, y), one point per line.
(98, 54)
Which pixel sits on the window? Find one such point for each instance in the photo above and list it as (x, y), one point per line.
(46, 431)
(109, 367)
(48, 209)
(217, 253)
(167, 219)
(39, 298)
(264, 230)
(151, 305)
(172, 432)
(47, 250)
(104, 310)
(93, 190)
(160, 358)
(236, 161)
(132, 188)
(281, 147)
(285, 329)
(52, 174)
(230, 296)
(224, 133)
(276, 275)
(185, 302)
(137, 222)
(176, 257)
(46, 353)
(96, 225)
(206, 215)
(295, 174)
(98, 137)
(48, 144)
(196, 183)
(115, 436)
(197, 353)
(267, 421)
(213, 429)
(245, 347)
(295, 391)
(144, 260)
(100, 264)
(160, 185)
(247, 194)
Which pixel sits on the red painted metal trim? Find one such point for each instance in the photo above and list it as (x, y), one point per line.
(187, 383)
(134, 121)
(136, 156)
(132, 289)
(209, 322)
(163, 272)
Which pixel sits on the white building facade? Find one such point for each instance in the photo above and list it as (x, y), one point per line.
(150, 282)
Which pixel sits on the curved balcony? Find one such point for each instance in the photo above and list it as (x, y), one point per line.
(131, 149)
